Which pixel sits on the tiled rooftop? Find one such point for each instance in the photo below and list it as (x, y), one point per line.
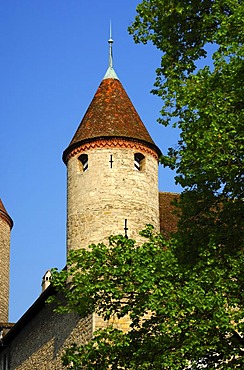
(168, 213)
(111, 114)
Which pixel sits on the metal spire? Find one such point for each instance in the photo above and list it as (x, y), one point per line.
(110, 71)
(110, 41)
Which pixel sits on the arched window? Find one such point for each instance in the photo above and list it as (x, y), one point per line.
(139, 161)
(83, 158)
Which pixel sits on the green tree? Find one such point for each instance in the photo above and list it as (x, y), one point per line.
(191, 284)
(206, 105)
(180, 318)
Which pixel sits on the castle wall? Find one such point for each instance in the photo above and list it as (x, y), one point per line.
(40, 344)
(101, 198)
(4, 268)
(122, 323)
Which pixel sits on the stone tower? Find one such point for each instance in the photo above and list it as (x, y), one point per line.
(112, 169)
(6, 225)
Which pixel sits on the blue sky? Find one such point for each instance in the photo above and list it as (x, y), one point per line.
(53, 56)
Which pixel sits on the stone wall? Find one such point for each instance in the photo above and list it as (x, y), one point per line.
(121, 324)
(4, 268)
(108, 192)
(40, 344)
(101, 198)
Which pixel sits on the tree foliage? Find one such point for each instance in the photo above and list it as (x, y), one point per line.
(207, 105)
(184, 296)
(179, 317)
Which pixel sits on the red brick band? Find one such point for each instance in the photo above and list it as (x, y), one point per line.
(114, 143)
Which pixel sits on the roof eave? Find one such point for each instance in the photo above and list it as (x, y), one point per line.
(76, 145)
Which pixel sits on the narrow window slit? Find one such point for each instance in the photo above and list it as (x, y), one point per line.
(126, 229)
(111, 161)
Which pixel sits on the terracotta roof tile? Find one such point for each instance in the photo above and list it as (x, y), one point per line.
(167, 212)
(111, 114)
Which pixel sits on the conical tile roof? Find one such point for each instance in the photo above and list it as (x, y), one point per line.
(110, 114)
(4, 214)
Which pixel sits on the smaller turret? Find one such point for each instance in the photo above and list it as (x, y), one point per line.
(6, 224)
(46, 280)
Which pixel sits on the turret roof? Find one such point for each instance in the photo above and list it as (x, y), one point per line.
(4, 214)
(110, 114)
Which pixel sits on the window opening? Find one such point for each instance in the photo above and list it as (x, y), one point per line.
(111, 161)
(126, 229)
(83, 158)
(138, 161)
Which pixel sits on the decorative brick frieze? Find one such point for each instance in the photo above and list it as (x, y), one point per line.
(112, 143)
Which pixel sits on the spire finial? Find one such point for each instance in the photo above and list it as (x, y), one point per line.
(110, 41)
(110, 71)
